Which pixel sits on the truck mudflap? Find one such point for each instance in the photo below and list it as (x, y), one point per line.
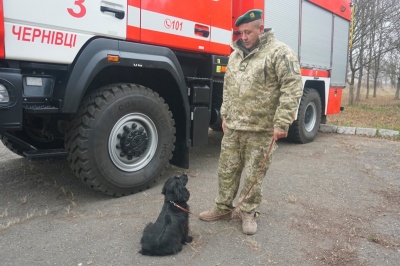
(10, 99)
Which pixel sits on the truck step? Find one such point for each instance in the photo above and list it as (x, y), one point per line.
(40, 108)
(45, 154)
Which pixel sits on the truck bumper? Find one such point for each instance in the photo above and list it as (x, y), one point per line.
(10, 99)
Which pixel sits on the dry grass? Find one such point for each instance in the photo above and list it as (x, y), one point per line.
(382, 112)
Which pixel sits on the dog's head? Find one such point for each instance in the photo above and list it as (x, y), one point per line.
(175, 189)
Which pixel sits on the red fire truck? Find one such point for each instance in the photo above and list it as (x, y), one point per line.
(122, 88)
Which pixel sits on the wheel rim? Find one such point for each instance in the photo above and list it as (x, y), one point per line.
(310, 117)
(132, 142)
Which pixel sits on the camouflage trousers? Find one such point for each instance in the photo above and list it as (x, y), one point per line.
(242, 154)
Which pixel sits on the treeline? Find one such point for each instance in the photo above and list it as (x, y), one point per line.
(374, 53)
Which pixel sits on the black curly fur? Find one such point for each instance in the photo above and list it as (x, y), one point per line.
(171, 229)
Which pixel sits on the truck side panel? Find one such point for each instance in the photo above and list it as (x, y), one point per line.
(221, 33)
(284, 17)
(165, 27)
(315, 31)
(316, 37)
(57, 30)
(133, 21)
(177, 24)
(340, 54)
(338, 7)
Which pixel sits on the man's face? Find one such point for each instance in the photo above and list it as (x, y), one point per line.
(250, 32)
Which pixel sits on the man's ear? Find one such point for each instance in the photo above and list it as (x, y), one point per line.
(261, 28)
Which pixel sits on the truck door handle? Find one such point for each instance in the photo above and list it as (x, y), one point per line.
(119, 14)
(201, 30)
(205, 33)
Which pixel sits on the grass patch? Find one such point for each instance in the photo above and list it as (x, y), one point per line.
(382, 112)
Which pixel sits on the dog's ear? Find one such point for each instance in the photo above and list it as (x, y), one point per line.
(184, 179)
(164, 189)
(181, 193)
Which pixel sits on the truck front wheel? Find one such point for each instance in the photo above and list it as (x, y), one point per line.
(305, 128)
(121, 139)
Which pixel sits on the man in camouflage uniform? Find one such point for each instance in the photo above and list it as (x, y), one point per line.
(262, 90)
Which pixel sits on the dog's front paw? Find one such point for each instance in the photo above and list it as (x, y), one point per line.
(189, 239)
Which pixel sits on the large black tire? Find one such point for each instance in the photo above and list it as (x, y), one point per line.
(305, 128)
(121, 139)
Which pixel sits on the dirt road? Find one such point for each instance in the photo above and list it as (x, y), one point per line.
(335, 201)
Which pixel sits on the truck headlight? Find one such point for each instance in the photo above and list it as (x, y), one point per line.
(4, 97)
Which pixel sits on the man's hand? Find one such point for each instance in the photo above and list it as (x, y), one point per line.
(223, 126)
(279, 134)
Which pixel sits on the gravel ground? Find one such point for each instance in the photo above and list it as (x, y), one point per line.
(331, 202)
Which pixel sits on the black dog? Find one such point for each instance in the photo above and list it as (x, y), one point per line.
(170, 231)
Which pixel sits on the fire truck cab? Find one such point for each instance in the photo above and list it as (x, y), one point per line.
(122, 88)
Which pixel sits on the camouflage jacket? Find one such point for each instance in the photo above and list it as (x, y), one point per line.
(262, 89)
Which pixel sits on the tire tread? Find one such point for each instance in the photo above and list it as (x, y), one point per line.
(76, 139)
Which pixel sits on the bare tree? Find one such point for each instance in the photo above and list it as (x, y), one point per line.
(375, 34)
(373, 11)
(396, 23)
(379, 43)
(356, 45)
(391, 70)
(364, 28)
